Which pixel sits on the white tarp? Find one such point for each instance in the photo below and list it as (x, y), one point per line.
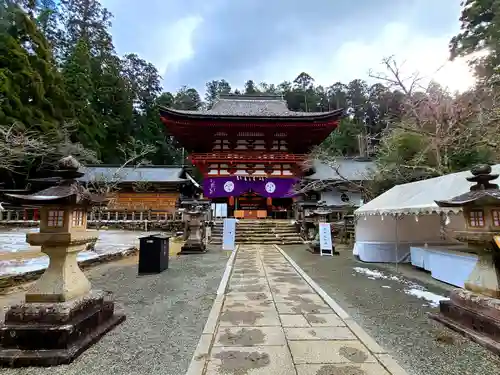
(418, 197)
(388, 239)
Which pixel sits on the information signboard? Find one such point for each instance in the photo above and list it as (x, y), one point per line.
(229, 234)
(325, 239)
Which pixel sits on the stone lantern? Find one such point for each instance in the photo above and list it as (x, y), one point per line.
(61, 316)
(195, 231)
(475, 310)
(320, 215)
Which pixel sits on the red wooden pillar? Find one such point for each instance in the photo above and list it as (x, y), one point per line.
(35, 214)
(25, 214)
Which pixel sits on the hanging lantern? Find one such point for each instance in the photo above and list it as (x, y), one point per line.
(269, 201)
(231, 201)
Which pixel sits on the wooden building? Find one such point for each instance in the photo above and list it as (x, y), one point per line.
(338, 187)
(144, 188)
(250, 150)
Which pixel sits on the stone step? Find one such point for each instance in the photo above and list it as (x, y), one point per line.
(291, 227)
(253, 235)
(265, 226)
(250, 242)
(257, 232)
(263, 240)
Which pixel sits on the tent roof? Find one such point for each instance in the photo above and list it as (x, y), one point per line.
(418, 197)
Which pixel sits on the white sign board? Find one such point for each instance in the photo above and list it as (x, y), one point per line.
(325, 239)
(229, 234)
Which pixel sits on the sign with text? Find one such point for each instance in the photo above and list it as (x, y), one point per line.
(229, 234)
(325, 239)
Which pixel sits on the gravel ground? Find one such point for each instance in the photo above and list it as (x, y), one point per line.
(397, 321)
(166, 314)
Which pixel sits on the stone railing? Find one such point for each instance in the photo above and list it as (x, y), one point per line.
(130, 220)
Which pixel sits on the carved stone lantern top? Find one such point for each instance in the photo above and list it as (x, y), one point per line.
(67, 192)
(481, 211)
(322, 209)
(483, 193)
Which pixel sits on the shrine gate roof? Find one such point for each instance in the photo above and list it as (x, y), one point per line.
(251, 107)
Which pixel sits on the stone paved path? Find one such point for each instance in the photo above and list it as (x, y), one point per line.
(271, 320)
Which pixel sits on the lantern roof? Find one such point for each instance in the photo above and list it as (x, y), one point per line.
(483, 193)
(68, 191)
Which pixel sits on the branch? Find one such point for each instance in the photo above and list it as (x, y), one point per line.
(134, 153)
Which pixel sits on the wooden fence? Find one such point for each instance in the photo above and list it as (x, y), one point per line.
(107, 218)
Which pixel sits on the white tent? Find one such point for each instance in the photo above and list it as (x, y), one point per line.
(407, 215)
(418, 197)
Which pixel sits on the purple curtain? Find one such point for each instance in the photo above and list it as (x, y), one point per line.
(216, 187)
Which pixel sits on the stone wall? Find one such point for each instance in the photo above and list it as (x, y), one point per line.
(142, 225)
(10, 281)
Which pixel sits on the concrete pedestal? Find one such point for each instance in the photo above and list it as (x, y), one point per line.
(473, 315)
(49, 334)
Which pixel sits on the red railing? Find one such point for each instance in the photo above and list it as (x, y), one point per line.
(246, 156)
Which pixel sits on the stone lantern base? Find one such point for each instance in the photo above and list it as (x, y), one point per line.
(314, 247)
(474, 315)
(193, 247)
(49, 334)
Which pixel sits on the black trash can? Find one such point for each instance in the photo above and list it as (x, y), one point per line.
(153, 254)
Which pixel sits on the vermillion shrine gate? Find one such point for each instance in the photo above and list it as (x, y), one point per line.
(249, 149)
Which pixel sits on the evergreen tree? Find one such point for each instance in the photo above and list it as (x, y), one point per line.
(77, 71)
(31, 88)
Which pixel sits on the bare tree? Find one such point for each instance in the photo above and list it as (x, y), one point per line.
(435, 133)
(18, 145)
(439, 133)
(134, 154)
(336, 180)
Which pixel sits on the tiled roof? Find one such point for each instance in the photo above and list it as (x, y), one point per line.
(252, 106)
(134, 174)
(350, 169)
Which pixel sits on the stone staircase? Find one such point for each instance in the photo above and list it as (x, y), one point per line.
(279, 232)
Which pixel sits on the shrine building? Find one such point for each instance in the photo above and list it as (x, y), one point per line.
(155, 188)
(250, 150)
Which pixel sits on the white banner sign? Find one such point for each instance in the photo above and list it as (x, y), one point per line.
(325, 237)
(229, 234)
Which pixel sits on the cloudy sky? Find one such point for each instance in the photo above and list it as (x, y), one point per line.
(195, 41)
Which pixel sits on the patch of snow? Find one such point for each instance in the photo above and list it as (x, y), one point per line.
(372, 273)
(395, 278)
(412, 289)
(386, 286)
(424, 294)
